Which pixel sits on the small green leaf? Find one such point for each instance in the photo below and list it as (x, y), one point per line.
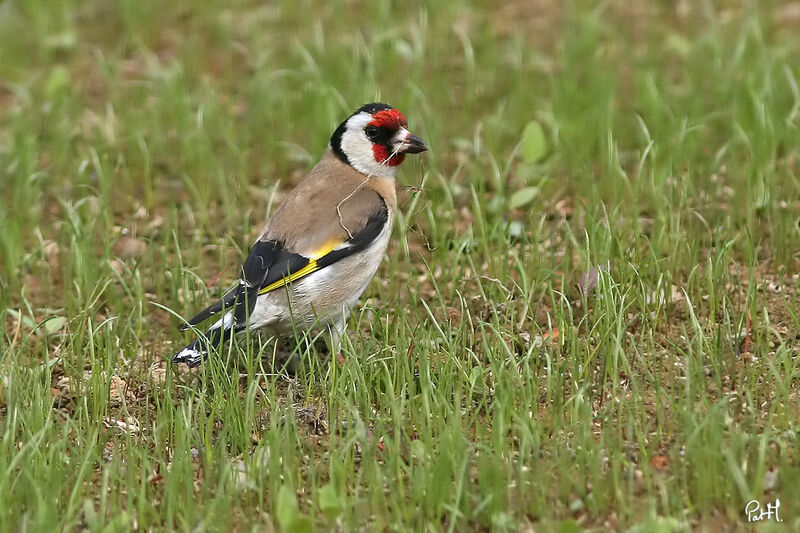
(515, 229)
(288, 514)
(64, 41)
(496, 204)
(89, 514)
(523, 197)
(329, 502)
(658, 524)
(678, 44)
(576, 505)
(55, 324)
(59, 79)
(286, 511)
(418, 451)
(534, 143)
(25, 319)
(302, 524)
(569, 526)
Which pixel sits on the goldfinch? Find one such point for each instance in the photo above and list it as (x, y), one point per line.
(323, 245)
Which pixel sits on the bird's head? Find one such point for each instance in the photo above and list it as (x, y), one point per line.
(374, 140)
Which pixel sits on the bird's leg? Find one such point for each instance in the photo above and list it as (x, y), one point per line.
(336, 329)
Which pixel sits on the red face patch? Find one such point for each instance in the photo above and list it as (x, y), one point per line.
(391, 119)
(381, 155)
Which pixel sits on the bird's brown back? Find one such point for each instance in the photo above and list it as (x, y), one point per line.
(308, 220)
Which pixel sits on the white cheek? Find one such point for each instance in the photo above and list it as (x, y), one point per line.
(359, 152)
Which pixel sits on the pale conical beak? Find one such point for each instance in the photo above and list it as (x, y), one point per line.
(413, 145)
(404, 142)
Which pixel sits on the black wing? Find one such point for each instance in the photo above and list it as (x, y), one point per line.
(358, 241)
(255, 272)
(225, 302)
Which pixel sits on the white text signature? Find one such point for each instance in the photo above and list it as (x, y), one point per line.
(755, 513)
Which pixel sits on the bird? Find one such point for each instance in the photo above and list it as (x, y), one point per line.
(321, 248)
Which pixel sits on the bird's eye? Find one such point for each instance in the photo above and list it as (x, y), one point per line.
(371, 131)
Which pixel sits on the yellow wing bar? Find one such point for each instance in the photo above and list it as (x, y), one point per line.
(306, 270)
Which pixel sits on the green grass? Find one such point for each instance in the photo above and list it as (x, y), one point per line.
(143, 143)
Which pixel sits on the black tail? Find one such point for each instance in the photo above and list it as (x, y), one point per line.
(196, 352)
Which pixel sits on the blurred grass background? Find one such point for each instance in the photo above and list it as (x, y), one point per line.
(653, 144)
